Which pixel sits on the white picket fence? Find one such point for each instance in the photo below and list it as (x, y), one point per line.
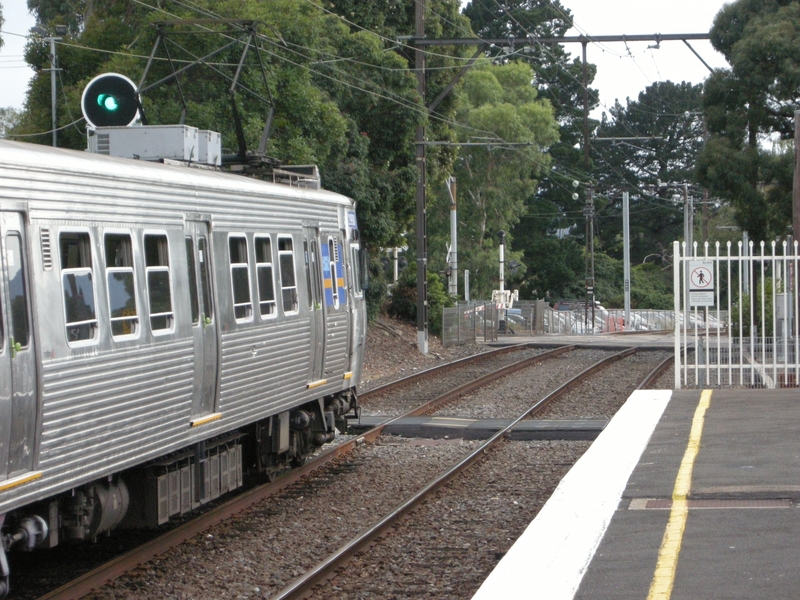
(739, 307)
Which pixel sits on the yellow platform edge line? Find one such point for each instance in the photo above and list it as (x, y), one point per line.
(12, 483)
(206, 419)
(664, 576)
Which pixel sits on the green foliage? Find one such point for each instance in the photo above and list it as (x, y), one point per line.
(651, 285)
(555, 268)
(756, 97)
(9, 118)
(404, 299)
(376, 294)
(493, 181)
(742, 307)
(341, 101)
(669, 114)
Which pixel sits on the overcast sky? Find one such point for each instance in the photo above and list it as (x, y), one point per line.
(623, 70)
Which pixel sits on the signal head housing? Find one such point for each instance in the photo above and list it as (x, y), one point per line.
(110, 100)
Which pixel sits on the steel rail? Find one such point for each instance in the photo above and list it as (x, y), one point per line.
(460, 362)
(303, 584)
(484, 380)
(94, 579)
(653, 376)
(599, 365)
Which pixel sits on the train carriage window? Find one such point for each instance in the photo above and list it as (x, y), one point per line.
(266, 286)
(205, 279)
(157, 273)
(121, 285)
(240, 278)
(355, 270)
(288, 280)
(78, 285)
(190, 264)
(309, 292)
(20, 329)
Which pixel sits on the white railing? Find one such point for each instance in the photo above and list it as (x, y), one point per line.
(607, 320)
(741, 328)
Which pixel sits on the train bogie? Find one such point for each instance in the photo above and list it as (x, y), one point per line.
(162, 330)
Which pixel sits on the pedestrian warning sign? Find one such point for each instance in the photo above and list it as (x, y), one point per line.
(701, 283)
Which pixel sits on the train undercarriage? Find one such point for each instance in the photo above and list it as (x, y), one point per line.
(176, 483)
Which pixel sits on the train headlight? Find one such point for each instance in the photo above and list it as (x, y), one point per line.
(110, 100)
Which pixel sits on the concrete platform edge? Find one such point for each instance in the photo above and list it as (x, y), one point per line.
(551, 556)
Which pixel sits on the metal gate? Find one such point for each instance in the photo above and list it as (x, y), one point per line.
(737, 309)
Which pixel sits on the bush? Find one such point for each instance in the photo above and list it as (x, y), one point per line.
(376, 294)
(743, 304)
(404, 299)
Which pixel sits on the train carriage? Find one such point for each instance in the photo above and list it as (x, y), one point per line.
(162, 327)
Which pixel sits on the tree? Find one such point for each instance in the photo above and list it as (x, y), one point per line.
(669, 114)
(9, 117)
(340, 99)
(559, 79)
(755, 98)
(497, 104)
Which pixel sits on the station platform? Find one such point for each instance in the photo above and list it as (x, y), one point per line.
(684, 495)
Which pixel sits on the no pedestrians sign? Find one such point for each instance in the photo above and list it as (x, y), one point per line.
(701, 283)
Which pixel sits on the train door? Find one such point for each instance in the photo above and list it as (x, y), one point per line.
(313, 267)
(337, 321)
(204, 323)
(18, 394)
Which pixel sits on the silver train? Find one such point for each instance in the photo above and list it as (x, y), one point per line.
(163, 330)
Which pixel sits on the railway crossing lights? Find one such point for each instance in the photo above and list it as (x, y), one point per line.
(110, 100)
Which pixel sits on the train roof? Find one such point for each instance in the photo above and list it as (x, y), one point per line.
(40, 158)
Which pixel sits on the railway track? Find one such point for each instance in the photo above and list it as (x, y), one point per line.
(307, 480)
(378, 559)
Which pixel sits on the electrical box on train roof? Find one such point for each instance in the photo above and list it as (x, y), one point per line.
(156, 142)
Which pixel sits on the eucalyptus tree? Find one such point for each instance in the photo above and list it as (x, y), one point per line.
(511, 128)
(554, 260)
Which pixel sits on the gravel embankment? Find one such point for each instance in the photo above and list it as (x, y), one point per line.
(259, 552)
(428, 387)
(509, 397)
(604, 394)
(449, 545)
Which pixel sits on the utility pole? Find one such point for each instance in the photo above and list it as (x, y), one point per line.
(53, 69)
(796, 186)
(422, 237)
(453, 281)
(586, 151)
(626, 242)
(588, 211)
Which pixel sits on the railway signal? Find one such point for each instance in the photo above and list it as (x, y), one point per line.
(110, 100)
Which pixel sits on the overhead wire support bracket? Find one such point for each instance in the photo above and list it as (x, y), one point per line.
(245, 33)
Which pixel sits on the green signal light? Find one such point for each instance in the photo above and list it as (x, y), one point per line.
(108, 102)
